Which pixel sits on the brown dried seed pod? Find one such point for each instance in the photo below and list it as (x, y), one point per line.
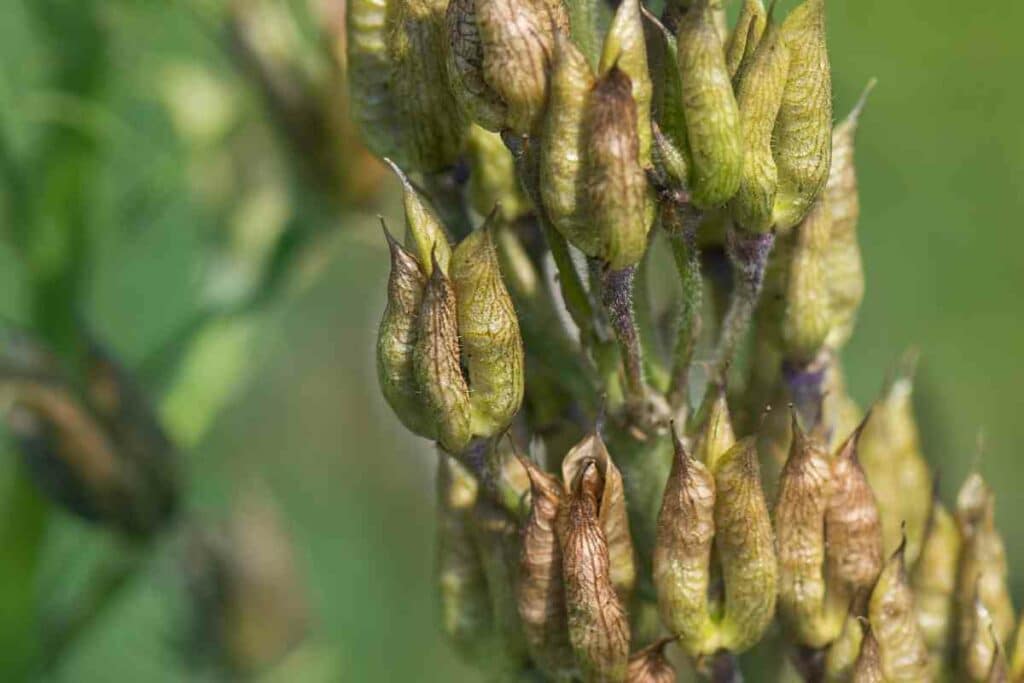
(682, 552)
(650, 665)
(625, 48)
(901, 644)
(868, 667)
(436, 366)
(934, 581)
(598, 624)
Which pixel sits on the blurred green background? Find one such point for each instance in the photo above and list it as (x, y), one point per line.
(189, 187)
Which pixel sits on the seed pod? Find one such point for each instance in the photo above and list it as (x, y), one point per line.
(904, 654)
(396, 340)
(561, 149)
(746, 36)
(615, 185)
(598, 625)
(841, 656)
(808, 311)
(493, 181)
(934, 580)
(802, 139)
(759, 97)
(682, 553)
(625, 48)
(612, 512)
(424, 231)
(436, 367)
(371, 94)
(804, 489)
(746, 547)
(716, 433)
(868, 668)
(713, 133)
(669, 133)
(979, 643)
(466, 615)
(489, 332)
(999, 671)
(540, 593)
(466, 67)
(650, 665)
(1017, 662)
(433, 126)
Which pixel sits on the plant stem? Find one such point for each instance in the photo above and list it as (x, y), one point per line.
(682, 227)
(617, 300)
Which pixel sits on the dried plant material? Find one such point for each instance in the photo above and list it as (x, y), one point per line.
(842, 654)
(934, 581)
(979, 647)
(868, 667)
(466, 67)
(424, 231)
(904, 655)
(650, 665)
(625, 48)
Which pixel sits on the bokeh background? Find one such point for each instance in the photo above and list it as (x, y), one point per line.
(190, 184)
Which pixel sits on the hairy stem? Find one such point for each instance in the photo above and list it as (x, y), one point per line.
(617, 300)
(681, 225)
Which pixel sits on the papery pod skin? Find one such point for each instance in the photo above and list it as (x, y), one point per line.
(808, 310)
(489, 332)
(746, 35)
(433, 125)
(561, 149)
(613, 516)
(369, 75)
(904, 655)
(424, 231)
(802, 139)
(540, 593)
(717, 435)
(493, 182)
(842, 654)
(598, 625)
(615, 185)
(436, 366)
(625, 48)
(650, 665)
(868, 667)
(746, 547)
(682, 553)
(466, 615)
(466, 67)
(979, 643)
(934, 581)
(396, 341)
(805, 486)
(713, 132)
(983, 569)
(759, 97)
(890, 451)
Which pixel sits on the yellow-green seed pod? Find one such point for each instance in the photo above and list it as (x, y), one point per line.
(539, 589)
(979, 645)
(713, 132)
(489, 333)
(805, 486)
(436, 366)
(716, 434)
(808, 310)
(561, 149)
(466, 616)
(746, 547)
(759, 97)
(682, 553)
(868, 667)
(396, 341)
(369, 75)
(612, 512)
(625, 48)
(466, 67)
(493, 182)
(999, 671)
(890, 451)
(841, 656)
(746, 36)
(1017, 662)
(802, 139)
(650, 665)
(598, 625)
(669, 130)
(615, 185)
(934, 581)
(901, 644)
(424, 231)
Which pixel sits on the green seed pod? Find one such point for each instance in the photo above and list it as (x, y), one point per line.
(802, 139)
(436, 366)
(598, 625)
(561, 149)
(841, 656)
(540, 592)
(489, 332)
(650, 665)
(466, 615)
(890, 451)
(934, 581)
(759, 97)
(371, 94)
(713, 132)
(804, 489)
(901, 644)
(669, 132)
(682, 553)
(716, 432)
(396, 340)
(746, 547)
(493, 182)
(424, 231)
(612, 513)
(868, 667)
(615, 185)
(745, 36)
(433, 125)
(625, 48)
(808, 310)
(980, 646)
(466, 67)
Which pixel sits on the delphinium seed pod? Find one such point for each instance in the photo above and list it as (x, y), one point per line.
(934, 582)
(424, 231)
(1017, 661)
(598, 625)
(540, 592)
(901, 644)
(802, 138)
(716, 434)
(466, 67)
(868, 667)
(493, 181)
(979, 644)
(436, 365)
(682, 553)
(890, 451)
(396, 340)
(842, 655)
(625, 48)
(807, 319)
(650, 665)
(489, 334)
(746, 35)
(669, 127)
(615, 184)
(713, 133)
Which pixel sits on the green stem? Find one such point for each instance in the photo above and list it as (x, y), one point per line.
(683, 242)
